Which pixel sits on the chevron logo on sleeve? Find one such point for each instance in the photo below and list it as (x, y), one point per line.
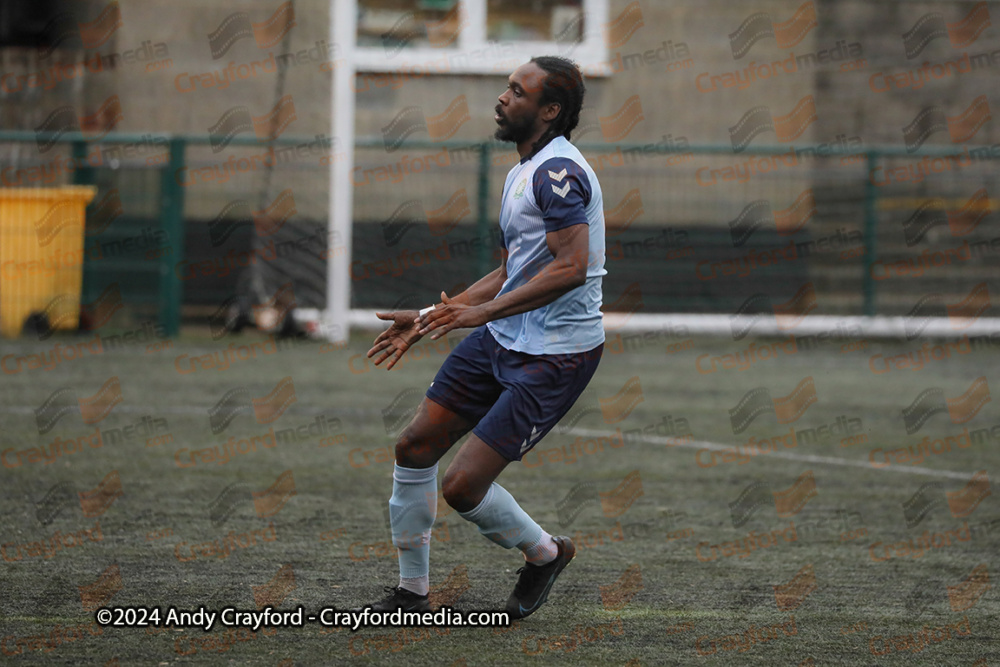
(557, 177)
(563, 191)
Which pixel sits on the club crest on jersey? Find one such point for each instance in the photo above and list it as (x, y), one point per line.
(520, 189)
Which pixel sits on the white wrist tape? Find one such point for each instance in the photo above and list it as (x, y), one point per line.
(426, 310)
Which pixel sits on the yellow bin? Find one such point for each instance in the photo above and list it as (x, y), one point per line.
(41, 255)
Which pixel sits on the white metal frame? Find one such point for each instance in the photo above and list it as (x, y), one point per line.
(474, 54)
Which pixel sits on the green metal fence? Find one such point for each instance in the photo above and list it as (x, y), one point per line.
(680, 216)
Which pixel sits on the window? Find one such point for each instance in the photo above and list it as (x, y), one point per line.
(479, 36)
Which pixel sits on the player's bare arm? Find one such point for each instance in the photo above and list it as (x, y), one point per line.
(568, 270)
(404, 331)
(486, 288)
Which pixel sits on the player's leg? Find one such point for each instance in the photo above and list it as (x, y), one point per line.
(413, 504)
(538, 392)
(469, 486)
(462, 392)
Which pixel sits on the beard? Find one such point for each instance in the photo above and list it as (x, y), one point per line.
(515, 131)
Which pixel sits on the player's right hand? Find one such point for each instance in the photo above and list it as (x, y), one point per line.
(397, 339)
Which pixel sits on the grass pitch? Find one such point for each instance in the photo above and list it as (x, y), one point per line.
(721, 515)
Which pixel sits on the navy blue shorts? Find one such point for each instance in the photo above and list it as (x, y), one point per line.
(513, 398)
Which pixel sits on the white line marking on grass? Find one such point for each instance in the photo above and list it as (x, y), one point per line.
(805, 458)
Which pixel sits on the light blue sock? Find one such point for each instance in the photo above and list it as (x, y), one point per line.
(501, 520)
(412, 508)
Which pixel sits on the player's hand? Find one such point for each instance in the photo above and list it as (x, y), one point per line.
(450, 315)
(397, 339)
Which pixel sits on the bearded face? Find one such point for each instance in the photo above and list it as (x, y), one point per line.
(514, 128)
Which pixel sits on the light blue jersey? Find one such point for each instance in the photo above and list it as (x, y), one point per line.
(554, 189)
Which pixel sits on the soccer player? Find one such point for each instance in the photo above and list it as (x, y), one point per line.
(537, 340)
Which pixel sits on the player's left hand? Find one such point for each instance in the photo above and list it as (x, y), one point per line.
(450, 315)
